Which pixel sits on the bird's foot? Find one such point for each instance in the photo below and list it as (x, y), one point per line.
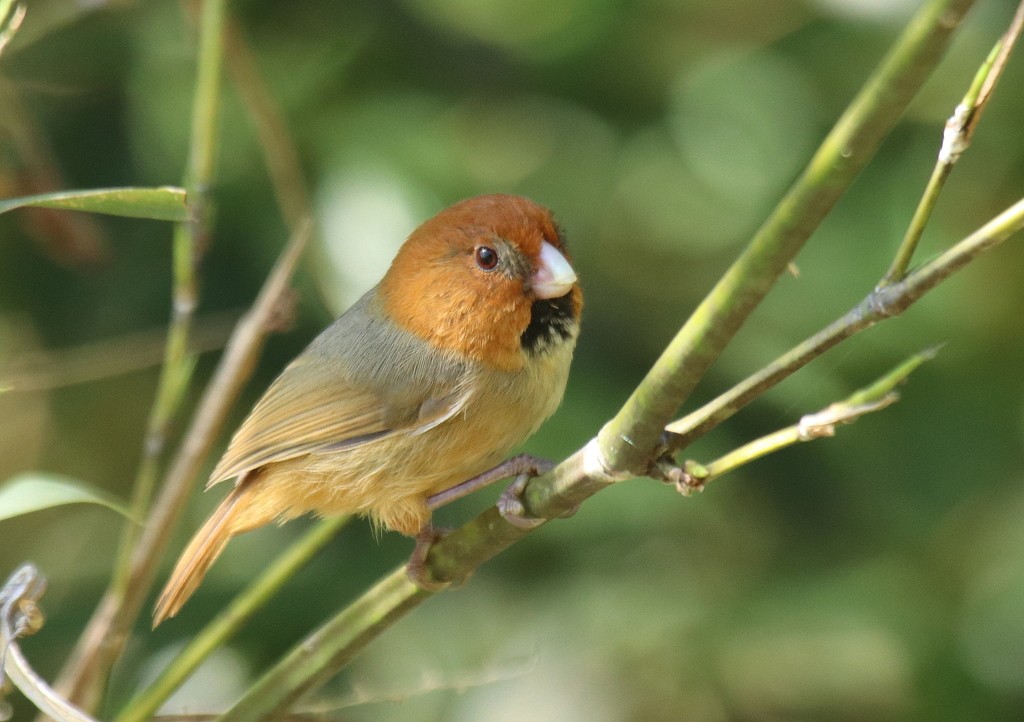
(512, 509)
(416, 567)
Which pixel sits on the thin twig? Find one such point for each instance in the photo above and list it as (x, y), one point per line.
(874, 397)
(956, 138)
(1006, 46)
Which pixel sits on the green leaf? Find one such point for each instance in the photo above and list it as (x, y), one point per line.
(33, 491)
(162, 204)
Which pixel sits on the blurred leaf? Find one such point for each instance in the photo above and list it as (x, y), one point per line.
(34, 491)
(11, 16)
(162, 204)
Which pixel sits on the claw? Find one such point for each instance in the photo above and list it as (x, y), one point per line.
(512, 509)
(416, 567)
(510, 505)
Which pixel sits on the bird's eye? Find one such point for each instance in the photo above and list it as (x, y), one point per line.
(486, 258)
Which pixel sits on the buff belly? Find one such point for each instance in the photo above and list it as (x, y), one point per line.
(390, 479)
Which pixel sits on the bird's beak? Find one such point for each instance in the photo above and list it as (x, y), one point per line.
(554, 277)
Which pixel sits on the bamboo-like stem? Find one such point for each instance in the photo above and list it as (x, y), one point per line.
(229, 621)
(633, 435)
(188, 245)
(85, 674)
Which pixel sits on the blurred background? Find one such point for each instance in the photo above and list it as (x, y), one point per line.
(878, 575)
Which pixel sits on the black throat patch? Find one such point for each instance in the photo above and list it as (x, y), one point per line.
(552, 322)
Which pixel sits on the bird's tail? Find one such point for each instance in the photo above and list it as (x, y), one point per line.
(203, 550)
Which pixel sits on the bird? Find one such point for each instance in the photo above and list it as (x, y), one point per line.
(454, 358)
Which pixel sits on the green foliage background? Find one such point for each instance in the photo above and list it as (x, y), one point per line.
(878, 575)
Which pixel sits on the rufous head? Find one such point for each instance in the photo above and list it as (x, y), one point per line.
(485, 278)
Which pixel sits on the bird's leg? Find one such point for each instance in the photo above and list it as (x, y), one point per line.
(416, 567)
(522, 467)
(517, 466)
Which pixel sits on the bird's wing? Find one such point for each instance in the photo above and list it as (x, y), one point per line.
(311, 409)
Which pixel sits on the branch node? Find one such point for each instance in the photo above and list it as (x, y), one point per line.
(184, 304)
(687, 479)
(956, 136)
(596, 466)
(823, 423)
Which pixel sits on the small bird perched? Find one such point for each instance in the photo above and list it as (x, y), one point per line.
(454, 358)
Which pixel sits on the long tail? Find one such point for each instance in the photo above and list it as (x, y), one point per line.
(203, 550)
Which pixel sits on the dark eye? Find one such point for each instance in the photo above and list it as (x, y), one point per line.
(486, 258)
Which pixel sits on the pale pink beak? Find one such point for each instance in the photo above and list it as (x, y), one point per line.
(554, 277)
